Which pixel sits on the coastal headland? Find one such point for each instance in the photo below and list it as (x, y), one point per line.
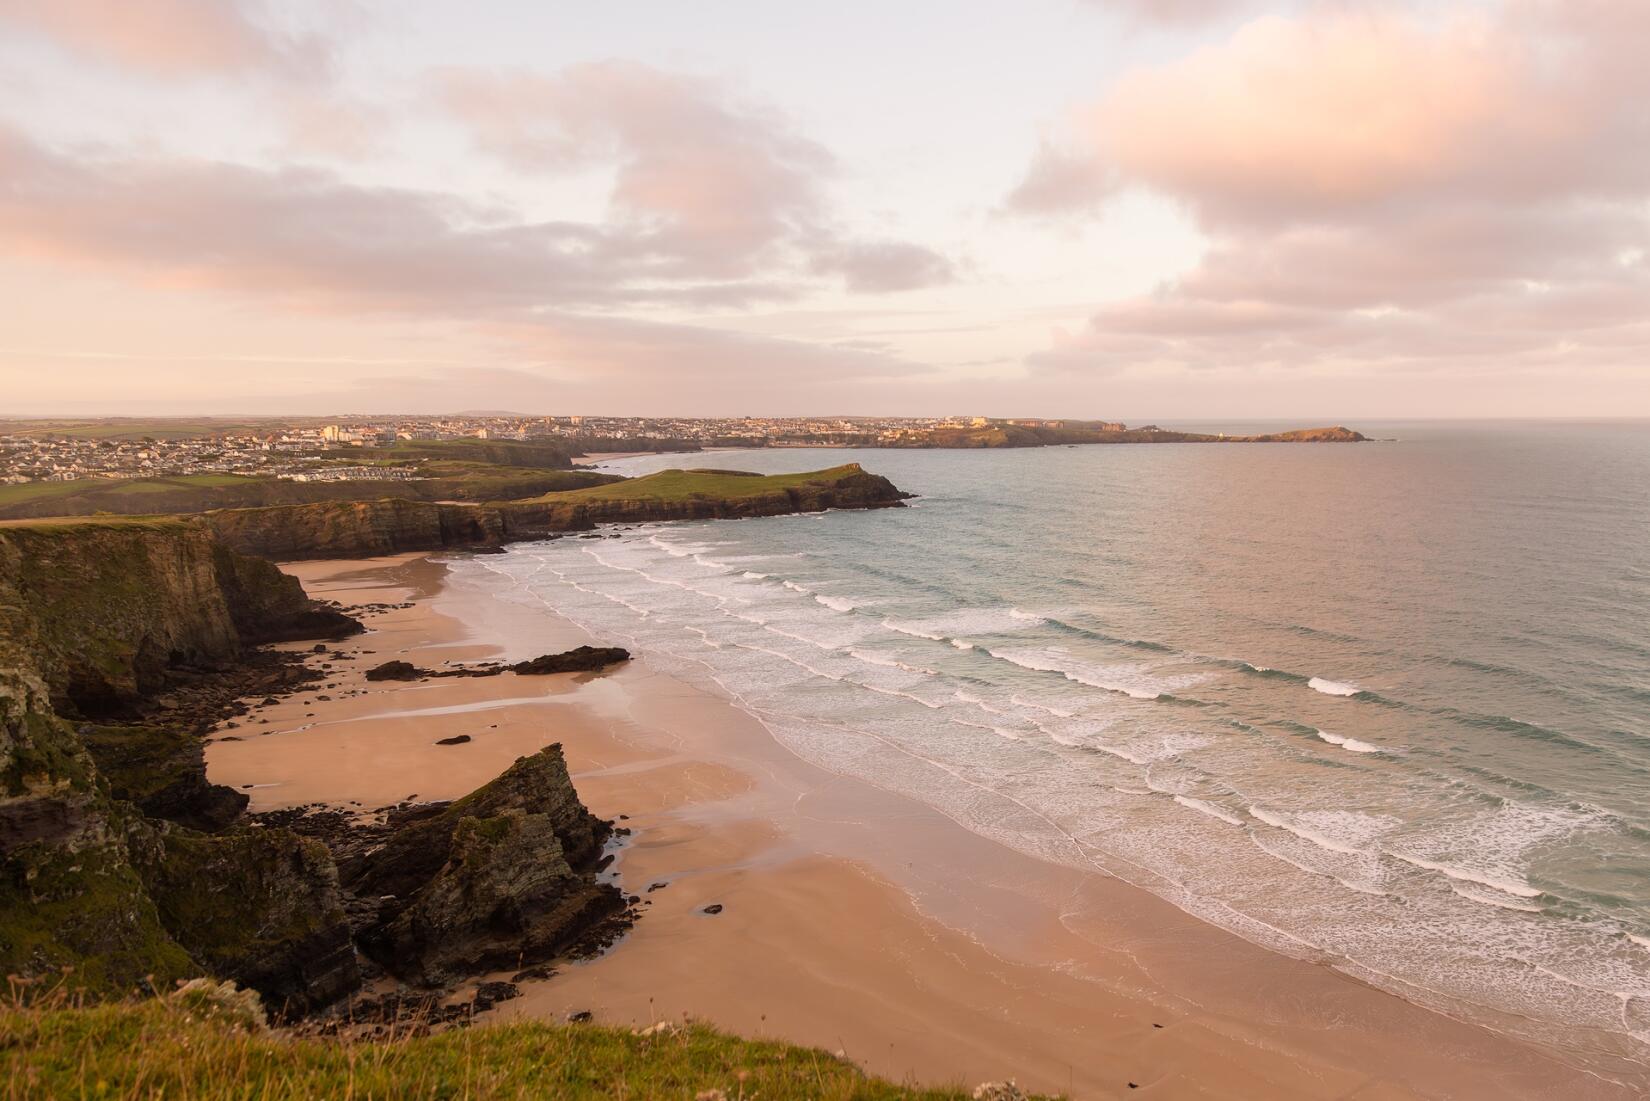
(141, 468)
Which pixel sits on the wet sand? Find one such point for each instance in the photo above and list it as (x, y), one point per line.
(853, 919)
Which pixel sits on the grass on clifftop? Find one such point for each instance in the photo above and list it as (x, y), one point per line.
(721, 485)
(195, 1048)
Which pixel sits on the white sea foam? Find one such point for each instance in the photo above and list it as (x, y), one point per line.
(1493, 899)
(841, 603)
(912, 630)
(1516, 887)
(1332, 687)
(754, 576)
(969, 697)
(966, 622)
(1306, 833)
(962, 644)
(1351, 745)
(1208, 808)
(1055, 711)
(891, 663)
(1125, 679)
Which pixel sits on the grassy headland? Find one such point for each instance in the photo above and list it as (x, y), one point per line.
(687, 485)
(442, 480)
(196, 1047)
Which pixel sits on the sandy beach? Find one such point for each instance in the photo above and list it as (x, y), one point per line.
(852, 919)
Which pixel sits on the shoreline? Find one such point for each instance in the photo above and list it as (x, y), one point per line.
(853, 918)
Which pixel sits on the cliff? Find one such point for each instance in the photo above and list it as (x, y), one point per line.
(121, 867)
(109, 612)
(365, 528)
(355, 529)
(95, 619)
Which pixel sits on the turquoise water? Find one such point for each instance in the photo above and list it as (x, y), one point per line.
(1385, 705)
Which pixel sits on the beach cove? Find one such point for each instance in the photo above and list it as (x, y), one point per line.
(852, 918)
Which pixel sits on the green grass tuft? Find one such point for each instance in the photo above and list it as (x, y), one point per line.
(182, 1047)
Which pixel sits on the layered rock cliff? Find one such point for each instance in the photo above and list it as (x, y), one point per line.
(104, 878)
(364, 528)
(107, 611)
(94, 619)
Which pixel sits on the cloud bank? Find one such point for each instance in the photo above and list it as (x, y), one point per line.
(1381, 189)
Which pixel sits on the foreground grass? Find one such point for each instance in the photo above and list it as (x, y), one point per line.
(178, 1048)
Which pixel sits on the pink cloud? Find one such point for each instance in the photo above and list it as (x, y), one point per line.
(1172, 13)
(700, 175)
(168, 37)
(1061, 181)
(1380, 188)
(316, 241)
(308, 243)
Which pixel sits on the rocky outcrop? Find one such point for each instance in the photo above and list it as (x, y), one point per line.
(259, 906)
(396, 670)
(501, 878)
(161, 769)
(109, 611)
(580, 659)
(69, 896)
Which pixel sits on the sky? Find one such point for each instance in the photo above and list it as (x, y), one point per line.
(1325, 210)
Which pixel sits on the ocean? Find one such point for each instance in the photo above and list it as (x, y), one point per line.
(1385, 706)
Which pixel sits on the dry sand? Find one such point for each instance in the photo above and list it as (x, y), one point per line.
(852, 919)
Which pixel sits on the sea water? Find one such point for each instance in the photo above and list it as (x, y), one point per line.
(1383, 705)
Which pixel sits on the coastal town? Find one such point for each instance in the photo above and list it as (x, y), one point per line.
(319, 450)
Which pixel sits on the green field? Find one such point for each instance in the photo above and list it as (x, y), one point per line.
(443, 480)
(119, 429)
(190, 1047)
(117, 488)
(682, 485)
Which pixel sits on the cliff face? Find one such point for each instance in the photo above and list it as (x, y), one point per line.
(69, 894)
(107, 610)
(364, 528)
(101, 871)
(94, 618)
(354, 529)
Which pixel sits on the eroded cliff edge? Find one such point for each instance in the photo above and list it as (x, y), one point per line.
(121, 867)
(353, 529)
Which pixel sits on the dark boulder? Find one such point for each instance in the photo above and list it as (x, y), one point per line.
(584, 659)
(396, 670)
